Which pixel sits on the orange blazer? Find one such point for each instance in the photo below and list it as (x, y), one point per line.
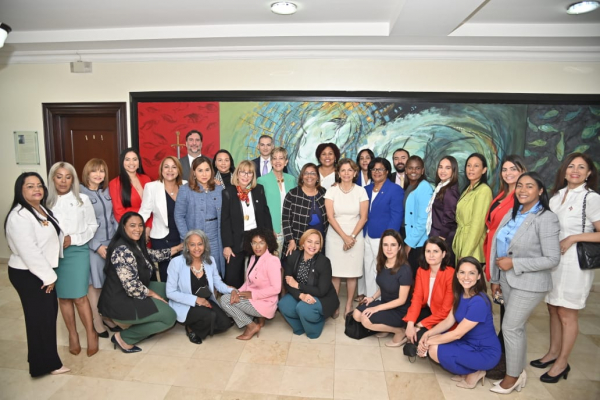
(114, 187)
(492, 220)
(441, 299)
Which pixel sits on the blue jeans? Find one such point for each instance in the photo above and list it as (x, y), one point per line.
(303, 317)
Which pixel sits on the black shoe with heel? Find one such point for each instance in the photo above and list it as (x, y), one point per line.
(134, 349)
(103, 335)
(539, 364)
(115, 328)
(546, 378)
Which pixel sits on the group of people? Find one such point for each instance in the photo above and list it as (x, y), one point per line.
(211, 244)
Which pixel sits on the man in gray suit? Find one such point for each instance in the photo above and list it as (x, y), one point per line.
(193, 144)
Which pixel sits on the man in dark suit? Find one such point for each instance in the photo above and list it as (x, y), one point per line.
(400, 158)
(263, 162)
(193, 144)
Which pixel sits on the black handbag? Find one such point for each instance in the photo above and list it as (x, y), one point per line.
(355, 329)
(410, 349)
(588, 253)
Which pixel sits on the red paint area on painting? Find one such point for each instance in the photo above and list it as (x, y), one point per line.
(158, 123)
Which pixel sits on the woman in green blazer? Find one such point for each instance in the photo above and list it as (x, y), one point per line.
(277, 183)
(471, 210)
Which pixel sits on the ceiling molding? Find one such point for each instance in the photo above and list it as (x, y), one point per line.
(377, 52)
(528, 30)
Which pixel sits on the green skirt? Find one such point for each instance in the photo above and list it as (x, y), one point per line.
(73, 272)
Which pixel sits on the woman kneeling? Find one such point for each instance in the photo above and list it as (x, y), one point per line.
(311, 297)
(394, 278)
(191, 282)
(472, 347)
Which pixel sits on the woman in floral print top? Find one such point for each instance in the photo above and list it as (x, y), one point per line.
(128, 297)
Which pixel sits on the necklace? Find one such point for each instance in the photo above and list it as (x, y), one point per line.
(377, 189)
(348, 191)
(197, 271)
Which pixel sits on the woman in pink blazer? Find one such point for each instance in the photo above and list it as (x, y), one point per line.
(259, 294)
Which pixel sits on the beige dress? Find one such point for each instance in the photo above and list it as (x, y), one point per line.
(346, 207)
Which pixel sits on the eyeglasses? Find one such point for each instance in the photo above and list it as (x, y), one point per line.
(256, 244)
(378, 169)
(246, 173)
(310, 174)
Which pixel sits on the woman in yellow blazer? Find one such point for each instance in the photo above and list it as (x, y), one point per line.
(471, 210)
(277, 183)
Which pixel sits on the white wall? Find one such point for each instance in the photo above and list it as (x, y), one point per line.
(25, 87)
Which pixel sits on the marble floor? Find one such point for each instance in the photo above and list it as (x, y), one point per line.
(278, 365)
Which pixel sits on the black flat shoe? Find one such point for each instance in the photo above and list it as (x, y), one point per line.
(134, 349)
(539, 364)
(546, 378)
(103, 335)
(194, 338)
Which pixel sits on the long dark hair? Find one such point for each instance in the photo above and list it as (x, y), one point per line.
(484, 164)
(231, 163)
(453, 178)
(19, 200)
(439, 242)
(369, 152)
(193, 183)
(400, 258)
(544, 199)
(380, 160)
(560, 180)
(124, 176)
(479, 289)
(138, 248)
(518, 162)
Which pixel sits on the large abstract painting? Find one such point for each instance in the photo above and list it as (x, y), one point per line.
(544, 131)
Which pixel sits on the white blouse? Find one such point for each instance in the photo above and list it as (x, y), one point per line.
(75, 220)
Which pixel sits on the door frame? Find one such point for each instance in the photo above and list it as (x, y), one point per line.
(53, 111)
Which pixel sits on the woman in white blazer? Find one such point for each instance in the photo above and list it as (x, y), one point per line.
(191, 284)
(158, 201)
(35, 241)
(524, 250)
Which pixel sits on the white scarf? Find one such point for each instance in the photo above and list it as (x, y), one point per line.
(430, 205)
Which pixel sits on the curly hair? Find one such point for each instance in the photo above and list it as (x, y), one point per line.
(265, 234)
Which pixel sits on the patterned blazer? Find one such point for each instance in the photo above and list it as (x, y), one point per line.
(296, 214)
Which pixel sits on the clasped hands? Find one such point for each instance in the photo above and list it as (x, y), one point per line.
(504, 263)
(236, 296)
(349, 242)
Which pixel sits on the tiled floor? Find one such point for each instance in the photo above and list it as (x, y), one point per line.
(278, 365)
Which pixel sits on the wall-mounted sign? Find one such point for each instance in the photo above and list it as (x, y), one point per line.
(26, 148)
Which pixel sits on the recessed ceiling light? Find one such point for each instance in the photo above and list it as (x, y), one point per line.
(284, 8)
(582, 7)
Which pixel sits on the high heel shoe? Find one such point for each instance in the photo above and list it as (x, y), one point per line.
(249, 333)
(523, 376)
(61, 370)
(519, 384)
(539, 364)
(103, 335)
(115, 328)
(457, 378)
(75, 351)
(463, 384)
(93, 350)
(547, 378)
(134, 349)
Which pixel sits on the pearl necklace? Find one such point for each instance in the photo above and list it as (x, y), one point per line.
(197, 271)
(346, 192)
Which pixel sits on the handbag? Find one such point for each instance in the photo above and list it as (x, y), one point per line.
(355, 329)
(410, 349)
(588, 253)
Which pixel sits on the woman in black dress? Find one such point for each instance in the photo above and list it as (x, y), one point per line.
(394, 278)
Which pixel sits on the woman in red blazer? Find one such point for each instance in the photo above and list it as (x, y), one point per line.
(433, 297)
(512, 168)
(126, 190)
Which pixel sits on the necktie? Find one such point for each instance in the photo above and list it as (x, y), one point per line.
(265, 169)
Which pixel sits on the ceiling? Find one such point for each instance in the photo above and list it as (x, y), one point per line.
(149, 30)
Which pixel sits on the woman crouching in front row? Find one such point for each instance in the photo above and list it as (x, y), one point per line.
(472, 347)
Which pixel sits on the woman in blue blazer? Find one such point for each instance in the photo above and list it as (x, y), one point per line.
(386, 211)
(416, 199)
(192, 279)
(198, 206)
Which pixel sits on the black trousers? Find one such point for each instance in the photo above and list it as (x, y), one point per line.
(41, 310)
(204, 321)
(234, 270)
(413, 259)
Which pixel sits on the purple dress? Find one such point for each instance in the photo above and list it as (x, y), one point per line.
(479, 349)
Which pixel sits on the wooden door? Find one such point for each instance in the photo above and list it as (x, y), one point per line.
(77, 132)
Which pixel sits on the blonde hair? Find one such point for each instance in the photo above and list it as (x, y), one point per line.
(179, 179)
(279, 150)
(52, 194)
(95, 164)
(305, 236)
(244, 165)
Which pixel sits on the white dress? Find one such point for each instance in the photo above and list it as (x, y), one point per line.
(346, 210)
(571, 285)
